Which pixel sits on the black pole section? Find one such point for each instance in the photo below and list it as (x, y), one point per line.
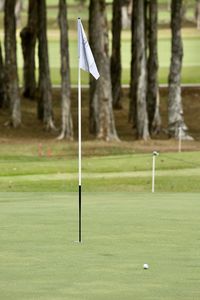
(80, 229)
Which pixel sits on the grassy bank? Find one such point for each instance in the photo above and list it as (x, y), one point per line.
(176, 172)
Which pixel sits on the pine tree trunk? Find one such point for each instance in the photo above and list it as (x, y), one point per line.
(175, 109)
(138, 105)
(67, 126)
(12, 85)
(28, 37)
(45, 112)
(116, 68)
(153, 90)
(102, 122)
(2, 80)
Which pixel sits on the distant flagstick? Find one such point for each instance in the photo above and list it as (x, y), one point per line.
(87, 63)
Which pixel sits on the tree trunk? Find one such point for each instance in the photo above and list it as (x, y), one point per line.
(2, 4)
(45, 112)
(175, 110)
(138, 105)
(28, 37)
(126, 9)
(133, 79)
(12, 84)
(116, 68)
(67, 127)
(2, 80)
(153, 90)
(18, 9)
(197, 13)
(102, 122)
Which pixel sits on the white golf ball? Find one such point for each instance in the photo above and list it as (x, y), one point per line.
(145, 266)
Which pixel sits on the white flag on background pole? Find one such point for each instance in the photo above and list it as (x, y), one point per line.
(86, 59)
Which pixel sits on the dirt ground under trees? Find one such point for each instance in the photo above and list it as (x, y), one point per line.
(32, 130)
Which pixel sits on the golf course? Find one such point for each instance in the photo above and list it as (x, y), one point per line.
(140, 196)
(40, 258)
(124, 224)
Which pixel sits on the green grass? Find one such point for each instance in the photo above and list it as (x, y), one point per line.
(191, 65)
(191, 42)
(121, 231)
(175, 172)
(124, 225)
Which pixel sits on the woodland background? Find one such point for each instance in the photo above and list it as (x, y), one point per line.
(144, 50)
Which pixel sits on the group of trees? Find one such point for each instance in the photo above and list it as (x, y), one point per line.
(106, 93)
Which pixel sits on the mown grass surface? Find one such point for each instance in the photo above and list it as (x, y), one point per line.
(176, 172)
(191, 64)
(121, 231)
(124, 224)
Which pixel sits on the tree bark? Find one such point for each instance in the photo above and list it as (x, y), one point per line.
(28, 39)
(102, 122)
(2, 4)
(45, 112)
(116, 68)
(67, 126)
(175, 109)
(153, 89)
(133, 79)
(126, 9)
(138, 106)
(12, 82)
(18, 9)
(2, 80)
(197, 13)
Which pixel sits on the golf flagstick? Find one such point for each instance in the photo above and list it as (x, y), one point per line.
(79, 156)
(85, 62)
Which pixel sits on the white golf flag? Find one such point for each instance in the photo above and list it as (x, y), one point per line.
(86, 59)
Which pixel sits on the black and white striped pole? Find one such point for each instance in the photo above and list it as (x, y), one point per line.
(79, 159)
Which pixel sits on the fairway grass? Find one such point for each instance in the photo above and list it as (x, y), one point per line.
(124, 225)
(121, 231)
(175, 172)
(191, 64)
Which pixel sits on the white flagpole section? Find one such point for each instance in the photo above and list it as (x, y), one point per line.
(153, 170)
(153, 174)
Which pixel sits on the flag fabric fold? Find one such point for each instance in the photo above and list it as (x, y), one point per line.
(86, 58)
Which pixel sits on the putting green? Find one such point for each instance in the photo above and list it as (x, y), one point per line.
(121, 231)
